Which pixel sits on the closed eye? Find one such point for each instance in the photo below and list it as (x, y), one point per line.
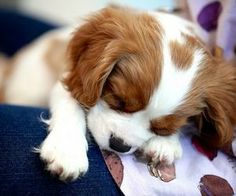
(119, 104)
(115, 102)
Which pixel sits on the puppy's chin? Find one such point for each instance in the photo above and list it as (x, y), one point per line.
(104, 122)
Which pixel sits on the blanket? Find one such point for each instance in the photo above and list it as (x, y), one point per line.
(198, 172)
(216, 22)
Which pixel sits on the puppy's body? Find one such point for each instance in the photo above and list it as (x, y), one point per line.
(141, 75)
(33, 71)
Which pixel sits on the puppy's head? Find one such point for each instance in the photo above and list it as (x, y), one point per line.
(115, 56)
(132, 68)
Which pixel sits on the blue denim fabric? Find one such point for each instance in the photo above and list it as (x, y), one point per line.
(22, 172)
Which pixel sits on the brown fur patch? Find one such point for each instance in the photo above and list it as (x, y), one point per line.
(182, 53)
(55, 56)
(213, 97)
(218, 52)
(5, 71)
(168, 124)
(117, 55)
(211, 101)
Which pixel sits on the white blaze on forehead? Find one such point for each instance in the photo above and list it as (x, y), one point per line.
(173, 26)
(174, 83)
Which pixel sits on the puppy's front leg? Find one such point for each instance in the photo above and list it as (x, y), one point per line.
(161, 152)
(65, 148)
(162, 148)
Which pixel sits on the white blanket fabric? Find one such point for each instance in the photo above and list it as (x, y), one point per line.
(189, 170)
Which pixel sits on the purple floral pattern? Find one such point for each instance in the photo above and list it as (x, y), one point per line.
(209, 15)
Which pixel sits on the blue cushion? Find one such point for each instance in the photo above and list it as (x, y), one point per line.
(17, 30)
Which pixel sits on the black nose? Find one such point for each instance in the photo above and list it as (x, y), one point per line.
(118, 144)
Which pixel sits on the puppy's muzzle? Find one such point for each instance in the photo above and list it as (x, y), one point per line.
(118, 144)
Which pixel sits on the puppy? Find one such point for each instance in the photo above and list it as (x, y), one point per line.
(137, 77)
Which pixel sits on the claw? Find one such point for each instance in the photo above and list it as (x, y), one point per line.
(152, 170)
(162, 170)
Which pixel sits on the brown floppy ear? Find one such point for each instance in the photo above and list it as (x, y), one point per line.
(219, 117)
(92, 56)
(215, 127)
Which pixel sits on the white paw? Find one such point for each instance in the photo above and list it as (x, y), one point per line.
(65, 156)
(162, 148)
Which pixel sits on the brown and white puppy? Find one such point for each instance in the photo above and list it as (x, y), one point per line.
(141, 76)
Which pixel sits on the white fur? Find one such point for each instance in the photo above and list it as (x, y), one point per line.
(173, 26)
(166, 148)
(174, 85)
(65, 148)
(132, 128)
